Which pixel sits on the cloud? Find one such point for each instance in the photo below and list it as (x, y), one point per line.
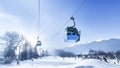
(13, 23)
(9, 22)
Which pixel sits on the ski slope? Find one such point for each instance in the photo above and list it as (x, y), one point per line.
(56, 62)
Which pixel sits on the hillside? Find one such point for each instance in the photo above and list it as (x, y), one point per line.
(52, 62)
(104, 45)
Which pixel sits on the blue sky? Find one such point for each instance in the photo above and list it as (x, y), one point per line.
(97, 19)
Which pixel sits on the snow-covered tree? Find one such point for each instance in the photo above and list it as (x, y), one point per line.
(64, 54)
(27, 51)
(13, 40)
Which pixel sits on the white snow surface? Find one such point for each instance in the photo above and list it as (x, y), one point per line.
(57, 62)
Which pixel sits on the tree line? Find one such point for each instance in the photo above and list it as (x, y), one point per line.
(92, 54)
(17, 48)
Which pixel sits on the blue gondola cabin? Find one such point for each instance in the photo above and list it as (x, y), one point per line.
(72, 34)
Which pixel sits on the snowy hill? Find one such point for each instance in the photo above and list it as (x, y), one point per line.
(57, 62)
(104, 45)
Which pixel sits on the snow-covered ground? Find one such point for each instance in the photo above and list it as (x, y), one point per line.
(53, 62)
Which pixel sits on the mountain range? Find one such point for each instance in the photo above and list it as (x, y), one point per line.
(103, 45)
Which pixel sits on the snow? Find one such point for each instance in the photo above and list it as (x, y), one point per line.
(111, 45)
(57, 62)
